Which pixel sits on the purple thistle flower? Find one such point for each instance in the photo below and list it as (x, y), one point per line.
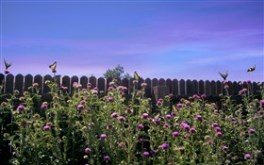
(21, 108)
(179, 105)
(203, 96)
(122, 88)
(164, 146)
(140, 126)
(198, 117)
(46, 128)
(110, 99)
(114, 115)
(80, 107)
(94, 91)
(87, 150)
(247, 156)
(168, 116)
(106, 158)
(121, 118)
(185, 126)
(110, 88)
(159, 102)
(219, 134)
(63, 88)
(173, 114)
(215, 125)
(225, 148)
(217, 129)
(166, 125)
(195, 96)
(76, 85)
(192, 130)
(251, 131)
(175, 134)
(156, 121)
(44, 106)
(243, 91)
(261, 112)
(261, 102)
(146, 153)
(103, 136)
(145, 115)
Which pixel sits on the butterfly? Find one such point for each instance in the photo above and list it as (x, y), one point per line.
(136, 76)
(7, 66)
(53, 67)
(251, 69)
(224, 76)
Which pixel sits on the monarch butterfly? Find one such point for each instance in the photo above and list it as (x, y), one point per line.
(251, 69)
(53, 67)
(224, 75)
(136, 76)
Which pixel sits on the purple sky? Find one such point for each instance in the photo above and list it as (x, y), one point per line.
(158, 39)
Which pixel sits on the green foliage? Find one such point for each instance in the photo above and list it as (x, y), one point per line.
(86, 127)
(116, 73)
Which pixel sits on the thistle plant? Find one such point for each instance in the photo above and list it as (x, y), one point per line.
(86, 127)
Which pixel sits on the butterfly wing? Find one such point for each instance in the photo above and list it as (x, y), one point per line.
(224, 76)
(136, 76)
(53, 67)
(7, 65)
(251, 69)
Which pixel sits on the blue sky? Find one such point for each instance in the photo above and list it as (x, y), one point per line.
(158, 39)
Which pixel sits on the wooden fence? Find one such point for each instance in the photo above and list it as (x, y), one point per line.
(174, 86)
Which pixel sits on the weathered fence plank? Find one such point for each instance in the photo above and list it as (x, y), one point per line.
(84, 81)
(208, 88)
(66, 83)
(9, 84)
(175, 87)
(256, 88)
(236, 88)
(19, 83)
(219, 87)
(148, 91)
(190, 88)
(213, 88)
(93, 81)
(101, 85)
(28, 82)
(182, 88)
(201, 85)
(57, 79)
(161, 82)
(39, 80)
(108, 80)
(195, 86)
(230, 89)
(46, 89)
(2, 79)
